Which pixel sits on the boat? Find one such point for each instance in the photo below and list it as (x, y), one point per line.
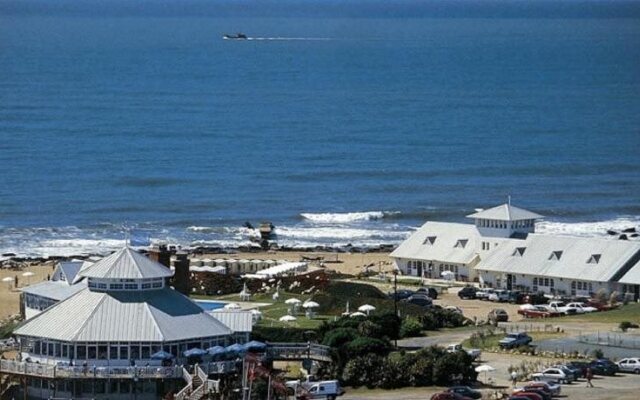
(238, 36)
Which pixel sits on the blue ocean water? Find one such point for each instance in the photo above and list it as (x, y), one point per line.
(339, 124)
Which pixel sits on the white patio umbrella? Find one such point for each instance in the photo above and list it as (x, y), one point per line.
(292, 301)
(367, 308)
(358, 314)
(27, 275)
(347, 310)
(232, 306)
(287, 318)
(8, 279)
(484, 368)
(311, 304)
(245, 294)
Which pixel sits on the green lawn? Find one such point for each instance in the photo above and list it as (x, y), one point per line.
(629, 312)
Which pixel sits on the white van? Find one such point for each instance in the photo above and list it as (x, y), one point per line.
(316, 390)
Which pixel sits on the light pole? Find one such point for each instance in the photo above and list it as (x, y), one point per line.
(395, 298)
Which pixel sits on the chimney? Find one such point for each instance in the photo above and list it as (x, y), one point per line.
(161, 255)
(181, 274)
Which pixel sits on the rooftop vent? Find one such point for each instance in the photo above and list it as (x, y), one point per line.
(430, 240)
(594, 259)
(461, 243)
(555, 255)
(519, 251)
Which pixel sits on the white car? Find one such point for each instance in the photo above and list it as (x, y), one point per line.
(582, 308)
(552, 375)
(630, 365)
(560, 307)
(483, 294)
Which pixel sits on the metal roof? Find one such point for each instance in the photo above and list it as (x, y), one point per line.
(54, 290)
(632, 277)
(505, 212)
(562, 257)
(69, 270)
(236, 320)
(126, 263)
(442, 241)
(146, 316)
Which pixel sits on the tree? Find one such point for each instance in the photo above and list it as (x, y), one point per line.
(363, 371)
(339, 337)
(410, 327)
(364, 345)
(370, 329)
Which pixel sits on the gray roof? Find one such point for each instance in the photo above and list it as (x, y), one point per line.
(632, 277)
(505, 212)
(148, 316)
(54, 290)
(443, 248)
(577, 260)
(126, 263)
(236, 320)
(69, 269)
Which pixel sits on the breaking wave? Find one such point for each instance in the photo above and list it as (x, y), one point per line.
(588, 229)
(345, 218)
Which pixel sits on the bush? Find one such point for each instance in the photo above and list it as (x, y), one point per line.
(626, 325)
(363, 371)
(389, 324)
(339, 337)
(7, 329)
(598, 353)
(394, 373)
(370, 329)
(453, 367)
(365, 345)
(410, 327)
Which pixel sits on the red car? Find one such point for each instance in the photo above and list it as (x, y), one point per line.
(528, 395)
(538, 312)
(449, 396)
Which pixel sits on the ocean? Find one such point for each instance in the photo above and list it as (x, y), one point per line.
(341, 123)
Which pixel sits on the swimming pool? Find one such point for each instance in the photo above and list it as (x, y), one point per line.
(209, 305)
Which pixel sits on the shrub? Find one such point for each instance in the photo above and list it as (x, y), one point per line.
(389, 324)
(370, 329)
(394, 373)
(410, 327)
(363, 371)
(452, 367)
(365, 345)
(601, 296)
(626, 325)
(339, 337)
(598, 353)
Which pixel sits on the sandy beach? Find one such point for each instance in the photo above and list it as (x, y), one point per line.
(9, 295)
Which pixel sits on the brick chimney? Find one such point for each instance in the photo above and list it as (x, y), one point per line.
(181, 275)
(161, 254)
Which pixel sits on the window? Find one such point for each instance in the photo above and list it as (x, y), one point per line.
(460, 244)
(113, 352)
(430, 240)
(146, 286)
(116, 286)
(157, 284)
(130, 286)
(124, 353)
(519, 251)
(594, 259)
(555, 255)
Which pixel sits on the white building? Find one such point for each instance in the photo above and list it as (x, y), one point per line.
(502, 250)
(125, 314)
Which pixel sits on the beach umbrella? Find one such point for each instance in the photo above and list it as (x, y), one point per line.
(234, 349)
(311, 304)
(28, 274)
(367, 308)
(161, 355)
(484, 368)
(8, 279)
(245, 294)
(358, 314)
(292, 301)
(195, 352)
(287, 318)
(216, 351)
(447, 274)
(232, 306)
(255, 346)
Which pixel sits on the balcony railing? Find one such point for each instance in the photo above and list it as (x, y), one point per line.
(52, 371)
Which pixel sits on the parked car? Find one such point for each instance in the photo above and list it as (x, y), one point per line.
(553, 375)
(401, 294)
(529, 311)
(474, 353)
(420, 300)
(603, 366)
(629, 365)
(316, 390)
(465, 391)
(498, 315)
(568, 371)
(540, 392)
(454, 309)
(431, 292)
(561, 307)
(579, 368)
(483, 294)
(449, 396)
(499, 296)
(550, 388)
(467, 292)
(513, 340)
(528, 395)
(582, 308)
(516, 297)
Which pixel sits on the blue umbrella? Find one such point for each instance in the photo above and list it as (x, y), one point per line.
(235, 348)
(216, 350)
(256, 346)
(195, 352)
(161, 355)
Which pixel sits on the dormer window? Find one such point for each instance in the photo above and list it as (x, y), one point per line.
(461, 243)
(555, 255)
(430, 240)
(519, 251)
(594, 259)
